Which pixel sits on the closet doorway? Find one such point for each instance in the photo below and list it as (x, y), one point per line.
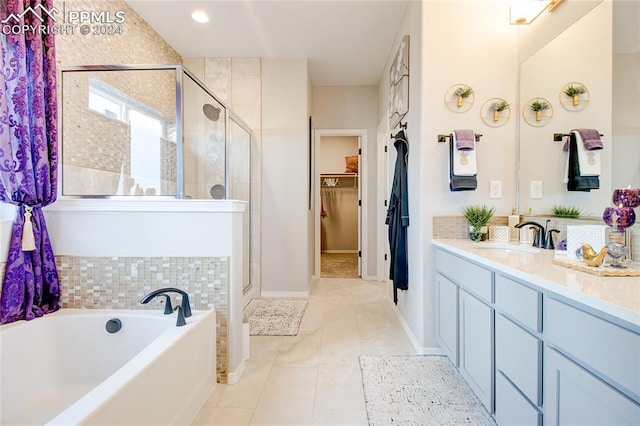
(339, 212)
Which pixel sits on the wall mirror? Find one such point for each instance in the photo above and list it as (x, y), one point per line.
(601, 49)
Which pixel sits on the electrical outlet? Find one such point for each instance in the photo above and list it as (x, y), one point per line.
(536, 189)
(495, 189)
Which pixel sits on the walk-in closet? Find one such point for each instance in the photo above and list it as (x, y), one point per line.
(339, 195)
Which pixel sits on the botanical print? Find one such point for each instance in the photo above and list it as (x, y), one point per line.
(399, 84)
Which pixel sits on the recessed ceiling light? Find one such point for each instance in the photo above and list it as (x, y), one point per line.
(200, 16)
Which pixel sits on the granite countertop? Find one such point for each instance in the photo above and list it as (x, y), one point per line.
(616, 296)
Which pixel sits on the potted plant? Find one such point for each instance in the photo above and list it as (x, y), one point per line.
(463, 92)
(497, 108)
(538, 106)
(574, 91)
(478, 218)
(566, 211)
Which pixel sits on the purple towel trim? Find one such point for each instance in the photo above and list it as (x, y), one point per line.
(465, 140)
(590, 139)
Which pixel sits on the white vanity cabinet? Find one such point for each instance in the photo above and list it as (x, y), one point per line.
(466, 321)
(535, 351)
(592, 371)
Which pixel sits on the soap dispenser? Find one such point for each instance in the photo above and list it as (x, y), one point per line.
(514, 219)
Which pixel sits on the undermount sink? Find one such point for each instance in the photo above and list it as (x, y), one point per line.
(507, 247)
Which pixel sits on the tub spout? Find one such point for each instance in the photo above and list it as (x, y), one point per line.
(185, 306)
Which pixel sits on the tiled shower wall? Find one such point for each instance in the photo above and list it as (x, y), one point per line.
(93, 170)
(120, 283)
(238, 83)
(138, 43)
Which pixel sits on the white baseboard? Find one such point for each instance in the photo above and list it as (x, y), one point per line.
(421, 350)
(285, 294)
(234, 376)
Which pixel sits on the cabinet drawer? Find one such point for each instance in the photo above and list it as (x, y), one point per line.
(603, 346)
(466, 274)
(512, 408)
(520, 302)
(519, 357)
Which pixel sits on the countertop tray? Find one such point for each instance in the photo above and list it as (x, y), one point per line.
(632, 269)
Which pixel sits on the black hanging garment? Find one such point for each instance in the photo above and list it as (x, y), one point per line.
(398, 219)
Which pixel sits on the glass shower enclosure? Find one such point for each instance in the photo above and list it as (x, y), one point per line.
(152, 131)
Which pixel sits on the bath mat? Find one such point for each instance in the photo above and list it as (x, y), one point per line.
(418, 390)
(275, 317)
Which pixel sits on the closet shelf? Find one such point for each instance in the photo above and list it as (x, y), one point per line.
(339, 175)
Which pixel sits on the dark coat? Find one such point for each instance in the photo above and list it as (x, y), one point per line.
(398, 219)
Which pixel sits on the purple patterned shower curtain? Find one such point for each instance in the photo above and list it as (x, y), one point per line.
(28, 159)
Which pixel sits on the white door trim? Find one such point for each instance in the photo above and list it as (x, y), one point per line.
(382, 174)
(362, 184)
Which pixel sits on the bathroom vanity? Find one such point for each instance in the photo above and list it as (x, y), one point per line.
(539, 343)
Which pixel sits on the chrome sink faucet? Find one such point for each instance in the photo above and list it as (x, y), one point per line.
(184, 310)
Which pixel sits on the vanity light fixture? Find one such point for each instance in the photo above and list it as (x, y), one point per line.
(523, 12)
(200, 16)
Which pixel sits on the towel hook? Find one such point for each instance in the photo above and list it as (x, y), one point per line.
(403, 126)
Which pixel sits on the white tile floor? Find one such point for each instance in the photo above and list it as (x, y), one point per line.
(313, 378)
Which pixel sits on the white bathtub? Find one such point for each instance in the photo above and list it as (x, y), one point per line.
(66, 369)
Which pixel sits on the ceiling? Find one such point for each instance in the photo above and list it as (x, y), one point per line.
(347, 42)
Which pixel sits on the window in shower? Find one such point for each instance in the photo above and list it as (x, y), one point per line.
(119, 133)
(105, 104)
(146, 142)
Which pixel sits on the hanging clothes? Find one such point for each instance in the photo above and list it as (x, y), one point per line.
(398, 219)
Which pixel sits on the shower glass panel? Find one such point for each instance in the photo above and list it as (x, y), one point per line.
(239, 163)
(119, 133)
(204, 143)
(152, 130)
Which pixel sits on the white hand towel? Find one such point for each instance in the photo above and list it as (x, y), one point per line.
(590, 164)
(464, 162)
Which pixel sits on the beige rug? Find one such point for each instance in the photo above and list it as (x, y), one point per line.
(418, 390)
(339, 265)
(275, 316)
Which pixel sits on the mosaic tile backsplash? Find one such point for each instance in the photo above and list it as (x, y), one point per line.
(120, 282)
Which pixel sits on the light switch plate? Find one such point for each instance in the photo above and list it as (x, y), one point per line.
(536, 189)
(495, 189)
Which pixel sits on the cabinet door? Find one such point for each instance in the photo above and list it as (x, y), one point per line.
(511, 407)
(519, 358)
(447, 311)
(573, 396)
(476, 347)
